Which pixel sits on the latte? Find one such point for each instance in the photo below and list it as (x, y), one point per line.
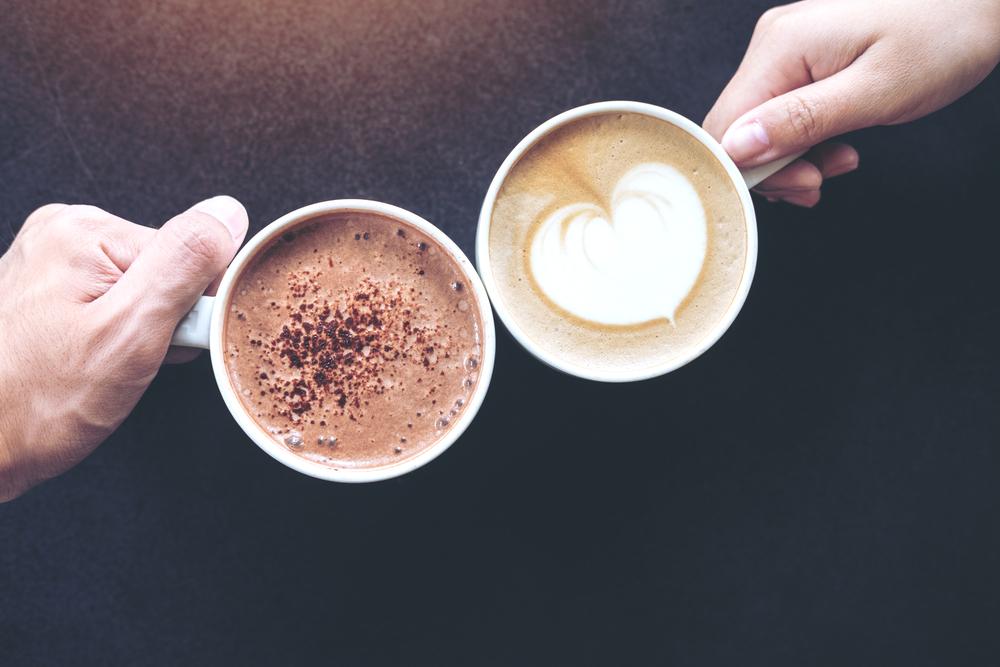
(617, 242)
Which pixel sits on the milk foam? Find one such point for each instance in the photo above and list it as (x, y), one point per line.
(631, 264)
(583, 162)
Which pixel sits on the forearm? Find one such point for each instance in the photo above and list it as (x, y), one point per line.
(14, 413)
(10, 446)
(18, 371)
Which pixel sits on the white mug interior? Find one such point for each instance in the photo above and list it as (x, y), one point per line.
(203, 330)
(739, 181)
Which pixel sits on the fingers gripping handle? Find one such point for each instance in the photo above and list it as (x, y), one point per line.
(755, 175)
(193, 331)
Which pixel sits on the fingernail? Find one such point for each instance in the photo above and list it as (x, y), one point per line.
(841, 168)
(226, 210)
(804, 200)
(746, 141)
(782, 191)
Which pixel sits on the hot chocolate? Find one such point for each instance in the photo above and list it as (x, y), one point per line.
(354, 340)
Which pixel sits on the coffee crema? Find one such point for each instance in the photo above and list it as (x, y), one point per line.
(617, 241)
(354, 340)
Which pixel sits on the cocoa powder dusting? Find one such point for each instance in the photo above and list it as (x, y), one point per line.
(340, 351)
(349, 344)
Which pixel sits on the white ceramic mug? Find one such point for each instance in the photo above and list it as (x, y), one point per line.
(742, 180)
(203, 327)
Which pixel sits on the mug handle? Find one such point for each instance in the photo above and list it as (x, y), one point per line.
(755, 175)
(193, 330)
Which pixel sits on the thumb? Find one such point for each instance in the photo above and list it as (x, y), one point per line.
(797, 120)
(184, 256)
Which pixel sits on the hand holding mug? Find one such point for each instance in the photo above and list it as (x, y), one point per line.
(820, 68)
(88, 304)
(351, 340)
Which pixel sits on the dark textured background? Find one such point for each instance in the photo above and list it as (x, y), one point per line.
(823, 487)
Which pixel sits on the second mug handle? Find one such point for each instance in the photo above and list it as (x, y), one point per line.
(755, 175)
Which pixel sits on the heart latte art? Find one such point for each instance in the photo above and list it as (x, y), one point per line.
(617, 242)
(630, 263)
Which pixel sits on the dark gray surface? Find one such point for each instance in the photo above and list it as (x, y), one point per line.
(823, 487)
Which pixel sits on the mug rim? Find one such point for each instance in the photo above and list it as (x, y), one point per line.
(505, 313)
(264, 440)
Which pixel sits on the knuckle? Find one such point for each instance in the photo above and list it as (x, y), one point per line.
(804, 117)
(62, 227)
(769, 18)
(83, 212)
(83, 217)
(73, 220)
(42, 214)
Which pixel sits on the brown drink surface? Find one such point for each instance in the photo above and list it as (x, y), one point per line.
(584, 161)
(354, 340)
